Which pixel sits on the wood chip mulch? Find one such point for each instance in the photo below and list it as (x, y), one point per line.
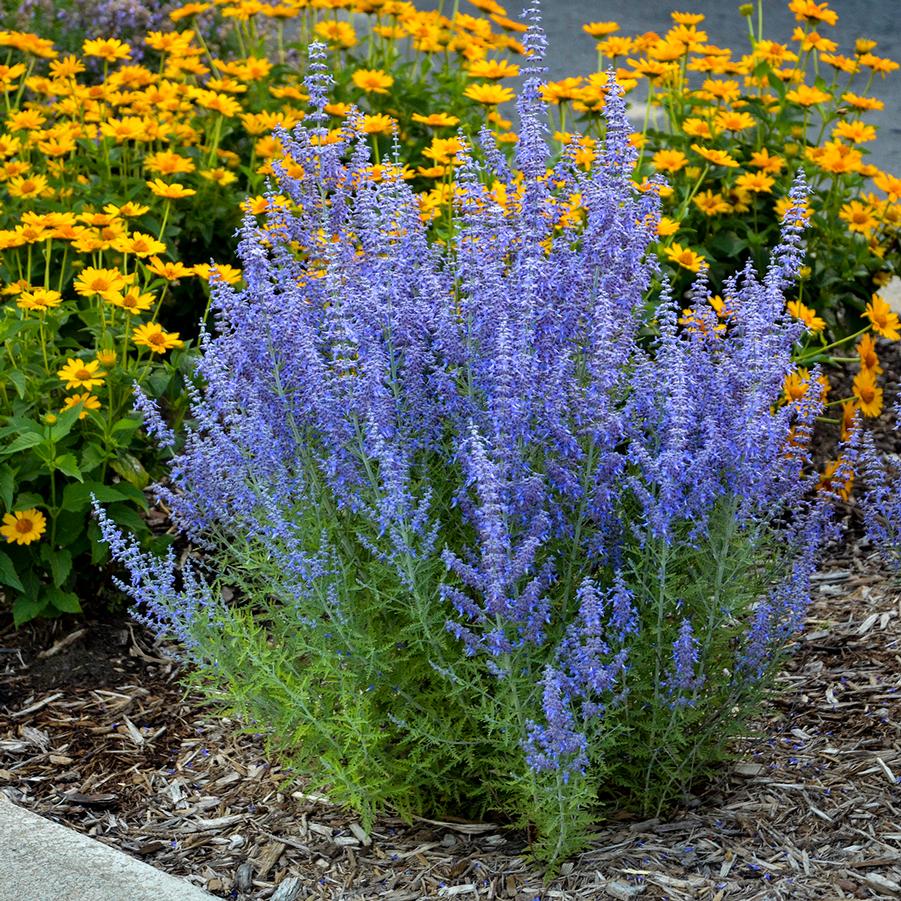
(96, 733)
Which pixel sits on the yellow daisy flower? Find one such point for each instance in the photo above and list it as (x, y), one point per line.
(104, 282)
(81, 374)
(39, 299)
(373, 81)
(23, 526)
(88, 401)
(488, 93)
(109, 49)
(139, 244)
(806, 315)
(173, 191)
(684, 257)
(883, 320)
(154, 337)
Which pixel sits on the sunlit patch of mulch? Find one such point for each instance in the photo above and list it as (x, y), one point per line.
(97, 734)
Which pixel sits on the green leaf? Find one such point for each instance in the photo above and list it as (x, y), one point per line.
(19, 382)
(28, 499)
(123, 432)
(23, 442)
(7, 485)
(131, 469)
(99, 548)
(19, 424)
(68, 465)
(64, 423)
(729, 243)
(159, 543)
(133, 494)
(60, 565)
(777, 84)
(8, 575)
(91, 457)
(27, 608)
(63, 601)
(70, 530)
(127, 516)
(159, 381)
(77, 497)
(126, 424)
(45, 452)
(9, 328)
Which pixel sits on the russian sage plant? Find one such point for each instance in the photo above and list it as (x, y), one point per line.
(880, 498)
(488, 526)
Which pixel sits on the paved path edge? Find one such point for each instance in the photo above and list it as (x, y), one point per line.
(43, 861)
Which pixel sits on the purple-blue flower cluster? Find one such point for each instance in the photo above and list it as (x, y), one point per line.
(880, 498)
(503, 418)
(684, 679)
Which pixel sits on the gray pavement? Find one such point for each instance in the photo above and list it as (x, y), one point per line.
(43, 861)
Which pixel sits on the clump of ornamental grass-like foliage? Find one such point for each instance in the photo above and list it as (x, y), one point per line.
(501, 529)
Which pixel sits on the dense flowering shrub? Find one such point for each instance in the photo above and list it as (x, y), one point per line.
(471, 541)
(69, 428)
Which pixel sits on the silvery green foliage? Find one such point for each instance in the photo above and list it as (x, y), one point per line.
(504, 536)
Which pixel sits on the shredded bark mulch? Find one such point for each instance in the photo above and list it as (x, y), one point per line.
(96, 733)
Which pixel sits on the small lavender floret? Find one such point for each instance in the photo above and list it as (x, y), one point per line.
(154, 423)
(684, 679)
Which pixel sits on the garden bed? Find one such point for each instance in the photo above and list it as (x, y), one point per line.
(467, 391)
(99, 736)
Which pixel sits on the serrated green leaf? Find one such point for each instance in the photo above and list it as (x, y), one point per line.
(8, 574)
(68, 465)
(63, 601)
(158, 382)
(91, 457)
(23, 442)
(60, 566)
(27, 608)
(7, 485)
(64, 423)
(28, 499)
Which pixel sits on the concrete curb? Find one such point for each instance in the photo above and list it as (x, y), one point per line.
(43, 861)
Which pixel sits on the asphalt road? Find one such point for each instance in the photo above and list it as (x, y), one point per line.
(571, 51)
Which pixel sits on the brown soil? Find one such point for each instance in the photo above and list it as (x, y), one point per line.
(98, 657)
